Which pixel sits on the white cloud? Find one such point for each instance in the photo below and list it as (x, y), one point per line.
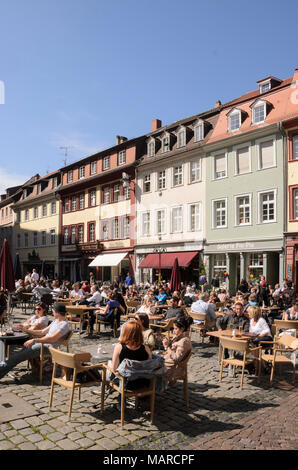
(9, 179)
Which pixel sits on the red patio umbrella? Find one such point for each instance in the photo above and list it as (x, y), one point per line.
(7, 280)
(175, 282)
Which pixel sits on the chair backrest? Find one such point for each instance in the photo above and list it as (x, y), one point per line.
(169, 323)
(288, 340)
(197, 316)
(67, 338)
(186, 359)
(234, 344)
(131, 303)
(219, 305)
(62, 358)
(74, 310)
(286, 324)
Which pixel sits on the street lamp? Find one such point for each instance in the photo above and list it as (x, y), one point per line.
(159, 251)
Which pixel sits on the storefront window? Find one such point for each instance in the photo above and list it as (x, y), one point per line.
(255, 267)
(219, 266)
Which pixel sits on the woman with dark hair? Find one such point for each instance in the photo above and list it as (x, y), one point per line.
(106, 312)
(39, 321)
(178, 348)
(148, 333)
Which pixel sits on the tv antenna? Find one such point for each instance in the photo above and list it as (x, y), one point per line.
(66, 148)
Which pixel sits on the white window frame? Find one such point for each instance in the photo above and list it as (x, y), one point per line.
(122, 157)
(295, 196)
(199, 162)
(82, 201)
(236, 206)
(235, 112)
(73, 235)
(51, 235)
(258, 144)
(82, 172)
(235, 150)
(267, 82)
(258, 104)
(44, 210)
(26, 215)
(93, 167)
(162, 232)
(162, 179)
(126, 227)
(26, 239)
(172, 219)
(260, 206)
(93, 198)
(147, 180)
(294, 146)
(35, 239)
(199, 131)
(55, 182)
(53, 204)
(213, 213)
(73, 203)
(199, 206)
(105, 233)
(151, 148)
(41, 238)
(144, 223)
(70, 176)
(181, 138)
(66, 236)
(214, 156)
(106, 192)
(91, 232)
(166, 148)
(106, 162)
(80, 232)
(116, 191)
(179, 174)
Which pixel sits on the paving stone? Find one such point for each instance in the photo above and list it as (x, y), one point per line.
(35, 438)
(107, 444)
(26, 431)
(27, 446)
(56, 436)
(108, 433)
(45, 429)
(10, 433)
(5, 445)
(45, 445)
(84, 442)
(19, 424)
(67, 444)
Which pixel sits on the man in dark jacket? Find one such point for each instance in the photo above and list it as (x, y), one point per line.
(236, 318)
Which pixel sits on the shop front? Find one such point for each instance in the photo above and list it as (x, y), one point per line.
(292, 259)
(112, 266)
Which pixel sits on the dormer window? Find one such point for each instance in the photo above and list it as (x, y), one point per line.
(181, 138)
(199, 131)
(55, 182)
(234, 120)
(82, 172)
(267, 83)
(258, 112)
(165, 143)
(265, 87)
(25, 193)
(151, 148)
(39, 188)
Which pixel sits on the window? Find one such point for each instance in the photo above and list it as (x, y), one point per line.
(115, 229)
(26, 215)
(26, 240)
(18, 240)
(18, 215)
(91, 232)
(267, 203)
(161, 181)
(53, 208)
(82, 172)
(116, 192)
(93, 168)
(82, 201)
(39, 188)
(25, 193)
(126, 192)
(147, 183)
(73, 235)
(66, 205)
(106, 162)
(146, 224)
(35, 240)
(121, 157)
(54, 182)
(106, 195)
(295, 147)
(126, 231)
(258, 113)
(69, 176)
(177, 219)
(256, 266)
(73, 203)
(44, 210)
(53, 237)
(105, 231)
(220, 213)
(195, 171)
(151, 148)
(295, 204)
(219, 266)
(43, 234)
(199, 132)
(242, 161)
(177, 175)
(66, 235)
(92, 198)
(165, 144)
(243, 210)
(265, 87)
(266, 150)
(234, 121)
(194, 217)
(81, 234)
(220, 164)
(161, 221)
(181, 138)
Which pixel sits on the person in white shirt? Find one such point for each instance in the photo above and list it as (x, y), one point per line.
(96, 296)
(258, 326)
(76, 292)
(28, 278)
(147, 307)
(34, 276)
(39, 321)
(203, 306)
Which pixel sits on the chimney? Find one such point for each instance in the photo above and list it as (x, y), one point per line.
(120, 139)
(156, 124)
(217, 104)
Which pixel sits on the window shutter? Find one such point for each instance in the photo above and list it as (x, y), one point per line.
(220, 165)
(266, 154)
(243, 160)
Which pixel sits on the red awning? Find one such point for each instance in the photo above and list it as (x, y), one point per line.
(167, 260)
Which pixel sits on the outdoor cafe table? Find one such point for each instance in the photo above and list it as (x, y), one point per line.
(7, 340)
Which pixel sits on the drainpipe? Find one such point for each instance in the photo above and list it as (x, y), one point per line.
(285, 188)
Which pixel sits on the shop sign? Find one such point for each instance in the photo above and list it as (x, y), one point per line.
(235, 246)
(68, 248)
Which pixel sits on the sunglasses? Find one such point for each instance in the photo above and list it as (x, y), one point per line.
(37, 308)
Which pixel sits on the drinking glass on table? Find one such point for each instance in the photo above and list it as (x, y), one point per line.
(231, 327)
(240, 329)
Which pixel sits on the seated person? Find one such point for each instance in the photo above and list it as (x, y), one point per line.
(258, 326)
(237, 318)
(177, 349)
(131, 346)
(172, 311)
(245, 302)
(213, 297)
(291, 313)
(148, 333)
(41, 290)
(77, 293)
(161, 298)
(277, 301)
(147, 307)
(49, 336)
(39, 321)
(3, 301)
(203, 306)
(179, 297)
(252, 300)
(287, 300)
(86, 287)
(105, 313)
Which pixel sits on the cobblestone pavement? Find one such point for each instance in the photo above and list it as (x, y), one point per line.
(220, 416)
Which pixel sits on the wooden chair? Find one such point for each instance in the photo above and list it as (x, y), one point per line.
(200, 328)
(219, 305)
(236, 346)
(70, 362)
(166, 326)
(284, 344)
(116, 322)
(285, 325)
(76, 317)
(43, 356)
(132, 305)
(184, 376)
(125, 392)
(2, 317)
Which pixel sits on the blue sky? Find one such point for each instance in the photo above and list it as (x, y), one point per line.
(79, 72)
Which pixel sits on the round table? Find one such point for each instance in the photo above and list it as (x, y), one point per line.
(18, 337)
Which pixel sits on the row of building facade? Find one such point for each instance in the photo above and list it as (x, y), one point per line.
(218, 190)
